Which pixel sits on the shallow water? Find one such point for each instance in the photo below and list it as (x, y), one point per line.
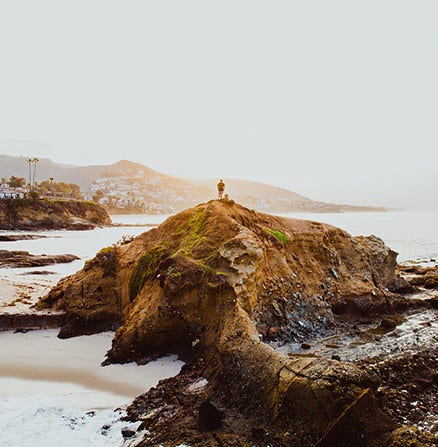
(418, 331)
(48, 387)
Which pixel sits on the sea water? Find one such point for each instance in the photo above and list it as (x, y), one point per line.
(55, 392)
(412, 234)
(54, 417)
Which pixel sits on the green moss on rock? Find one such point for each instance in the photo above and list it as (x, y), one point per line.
(279, 235)
(144, 269)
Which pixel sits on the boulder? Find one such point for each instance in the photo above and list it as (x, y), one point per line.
(203, 284)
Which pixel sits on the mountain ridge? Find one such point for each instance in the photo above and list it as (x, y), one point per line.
(131, 187)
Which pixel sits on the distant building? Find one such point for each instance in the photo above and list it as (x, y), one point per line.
(6, 192)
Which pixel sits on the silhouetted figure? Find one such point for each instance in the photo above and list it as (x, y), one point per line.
(220, 189)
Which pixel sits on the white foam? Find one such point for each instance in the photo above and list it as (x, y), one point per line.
(53, 421)
(48, 387)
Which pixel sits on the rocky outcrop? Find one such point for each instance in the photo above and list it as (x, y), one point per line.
(420, 276)
(19, 237)
(27, 214)
(215, 284)
(22, 259)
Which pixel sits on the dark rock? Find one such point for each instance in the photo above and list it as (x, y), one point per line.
(334, 273)
(273, 332)
(305, 346)
(210, 418)
(336, 357)
(19, 237)
(23, 259)
(25, 322)
(257, 434)
(127, 433)
(391, 323)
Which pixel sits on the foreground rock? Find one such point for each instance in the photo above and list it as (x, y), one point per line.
(26, 214)
(23, 259)
(213, 284)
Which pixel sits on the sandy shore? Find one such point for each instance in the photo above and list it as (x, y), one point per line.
(38, 362)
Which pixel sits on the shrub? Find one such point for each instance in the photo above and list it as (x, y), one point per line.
(279, 235)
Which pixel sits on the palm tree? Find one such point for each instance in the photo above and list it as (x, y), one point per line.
(29, 160)
(35, 161)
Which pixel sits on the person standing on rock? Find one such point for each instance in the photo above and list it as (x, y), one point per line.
(220, 189)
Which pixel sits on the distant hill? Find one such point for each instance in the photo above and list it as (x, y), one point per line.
(127, 186)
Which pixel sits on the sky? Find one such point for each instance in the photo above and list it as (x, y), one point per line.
(335, 100)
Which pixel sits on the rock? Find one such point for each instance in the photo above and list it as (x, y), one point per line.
(19, 237)
(390, 323)
(334, 273)
(305, 346)
(273, 332)
(26, 214)
(128, 433)
(22, 259)
(197, 278)
(420, 276)
(210, 418)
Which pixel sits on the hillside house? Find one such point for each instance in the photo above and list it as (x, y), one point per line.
(6, 192)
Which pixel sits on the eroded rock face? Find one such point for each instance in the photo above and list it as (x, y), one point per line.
(26, 214)
(210, 281)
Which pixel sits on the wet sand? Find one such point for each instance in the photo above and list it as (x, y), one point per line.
(38, 361)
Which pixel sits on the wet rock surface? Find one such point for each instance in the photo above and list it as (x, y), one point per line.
(420, 276)
(226, 288)
(409, 387)
(15, 258)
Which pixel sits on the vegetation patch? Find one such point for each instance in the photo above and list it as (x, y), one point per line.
(144, 269)
(279, 235)
(194, 231)
(173, 272)
(210, 271)
(106, 259)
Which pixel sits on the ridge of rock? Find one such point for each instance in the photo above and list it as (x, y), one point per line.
(213, 280)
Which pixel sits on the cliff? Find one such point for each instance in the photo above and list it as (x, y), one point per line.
(217, 284)
(27, 214)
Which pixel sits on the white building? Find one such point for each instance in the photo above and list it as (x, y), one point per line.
(6, 192)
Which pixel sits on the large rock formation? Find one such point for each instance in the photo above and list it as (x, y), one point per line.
(27, 214)
(214, 283)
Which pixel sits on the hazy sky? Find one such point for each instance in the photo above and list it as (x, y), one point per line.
(336, 100)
